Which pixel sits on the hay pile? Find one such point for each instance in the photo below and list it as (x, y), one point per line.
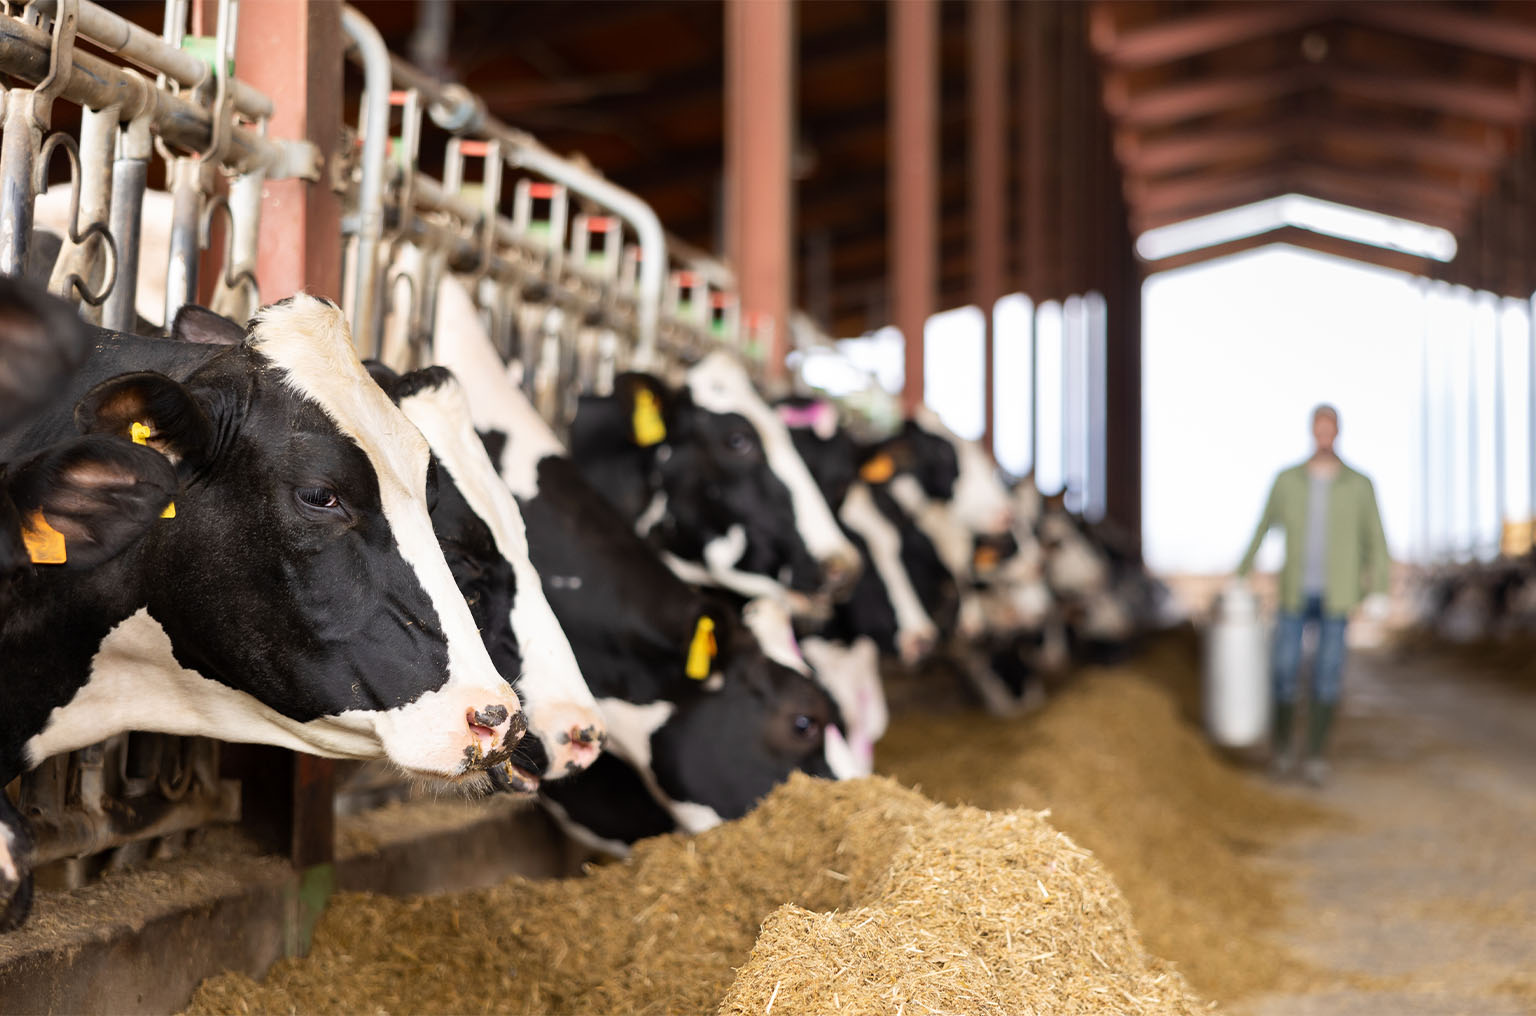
(1125, 777)
(893, 904)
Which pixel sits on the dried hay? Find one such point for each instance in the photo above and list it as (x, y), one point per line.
(979, 913)
(663, 932)
(1124, 777)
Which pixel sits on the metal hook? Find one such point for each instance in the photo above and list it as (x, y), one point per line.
(230, 278)
(77, 236)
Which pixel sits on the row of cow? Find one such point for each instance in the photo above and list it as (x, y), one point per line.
(1478, 601)
(244, 532)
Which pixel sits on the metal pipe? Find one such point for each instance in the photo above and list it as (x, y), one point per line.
(369, 45)
(19, 143)
(115, 34)
(74, 832)
(1500, 481)
(457, 110)
(130, 173)
(98, 139)
(186, 212)
(94, 82)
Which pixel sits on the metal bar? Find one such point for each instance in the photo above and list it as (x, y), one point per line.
(1500, 480)
(989, 199)
(115, 34)
(369, 44)
(75, 832)
(913, 71)
(1426, 510)
(186, 212)
(130, 173)
(19, 142)
(759, 127)
(458, 111)
(1474, 502)
(94, 82)
(98, 136)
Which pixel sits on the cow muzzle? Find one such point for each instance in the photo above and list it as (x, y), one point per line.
(839, 573)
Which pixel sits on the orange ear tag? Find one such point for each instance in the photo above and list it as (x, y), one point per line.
(140, 434)
(45, 544)
(649, 429)
(702, 650)
(878, 469)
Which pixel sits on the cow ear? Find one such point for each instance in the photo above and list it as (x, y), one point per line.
(83, 501)
(205, 327)
(42, 342)
(383, 375)
(148, 408)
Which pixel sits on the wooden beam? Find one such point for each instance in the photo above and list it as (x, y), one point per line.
(1437, 92)
(1210, 29)
(913, 73)
(1432, 202)
(1170, 104)
(988, 52)
(1194, 148)
(1478, 30)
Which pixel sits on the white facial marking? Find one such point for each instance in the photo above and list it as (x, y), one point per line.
(952, 541)
(720, 557)
(461, 344)
(10, 870)
(860, 514)
(769, 623)
(553, 692)
(653, 514)
(630, 728)
(845, 765)
(136, 684)
(719, 384)
(851, 675)
(1075, 567)
(308, 340)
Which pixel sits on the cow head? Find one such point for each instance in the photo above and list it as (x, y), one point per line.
(300, 568)
(42, 342)
(481, 531)
(709, 474)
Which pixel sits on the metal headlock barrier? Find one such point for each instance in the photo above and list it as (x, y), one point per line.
(573, 277)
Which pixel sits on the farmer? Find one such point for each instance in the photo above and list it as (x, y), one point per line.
(1335, 551)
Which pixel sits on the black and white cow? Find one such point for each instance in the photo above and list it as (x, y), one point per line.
(709, 475)
(483, 536)
(298, 597)
(704, 733)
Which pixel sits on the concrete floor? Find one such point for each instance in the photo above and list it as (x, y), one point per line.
(1424, 902)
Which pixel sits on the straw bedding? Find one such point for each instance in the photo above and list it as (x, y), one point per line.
(868, 897)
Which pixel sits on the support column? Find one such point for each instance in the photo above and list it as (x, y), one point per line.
(292, 51)
(913, 76)
(989, 200)
(759, 139)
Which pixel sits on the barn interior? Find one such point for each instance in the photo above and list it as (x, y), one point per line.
(1105, 242)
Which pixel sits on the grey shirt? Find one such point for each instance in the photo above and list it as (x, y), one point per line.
(1314, 574)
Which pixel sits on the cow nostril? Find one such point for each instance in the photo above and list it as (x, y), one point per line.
(491, 716)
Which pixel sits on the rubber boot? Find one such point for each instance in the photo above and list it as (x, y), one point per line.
(1319, 722)
(1282, 757)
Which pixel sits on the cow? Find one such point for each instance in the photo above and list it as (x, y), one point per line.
(298, 597)
(709, 475)
(482, 532)
(72, 505)
(708, 707)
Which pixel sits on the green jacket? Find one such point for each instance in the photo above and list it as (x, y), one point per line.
(1357, 547)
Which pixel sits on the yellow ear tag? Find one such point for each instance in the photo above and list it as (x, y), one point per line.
(878, 469)
(649, 429)
(140, 434)
(701, 651)
(45, 544)
(985, 558)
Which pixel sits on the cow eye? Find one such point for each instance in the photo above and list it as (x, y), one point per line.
(321, 500)
(738, 442)
(806, 727)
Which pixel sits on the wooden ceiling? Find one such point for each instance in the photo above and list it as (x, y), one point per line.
(1420, 110)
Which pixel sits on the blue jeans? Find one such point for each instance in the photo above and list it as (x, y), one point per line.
(1327, 668)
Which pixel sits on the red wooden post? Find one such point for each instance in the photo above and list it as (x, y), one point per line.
(759, 135)
(989, 202)
(913, 77)
(292, 51)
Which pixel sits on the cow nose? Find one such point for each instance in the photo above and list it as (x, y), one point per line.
(839, 573)
(495, 729)
(914, 646)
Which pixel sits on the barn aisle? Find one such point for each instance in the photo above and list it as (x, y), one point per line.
(1424, 900)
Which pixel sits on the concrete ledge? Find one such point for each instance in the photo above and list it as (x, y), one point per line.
(140, 941)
